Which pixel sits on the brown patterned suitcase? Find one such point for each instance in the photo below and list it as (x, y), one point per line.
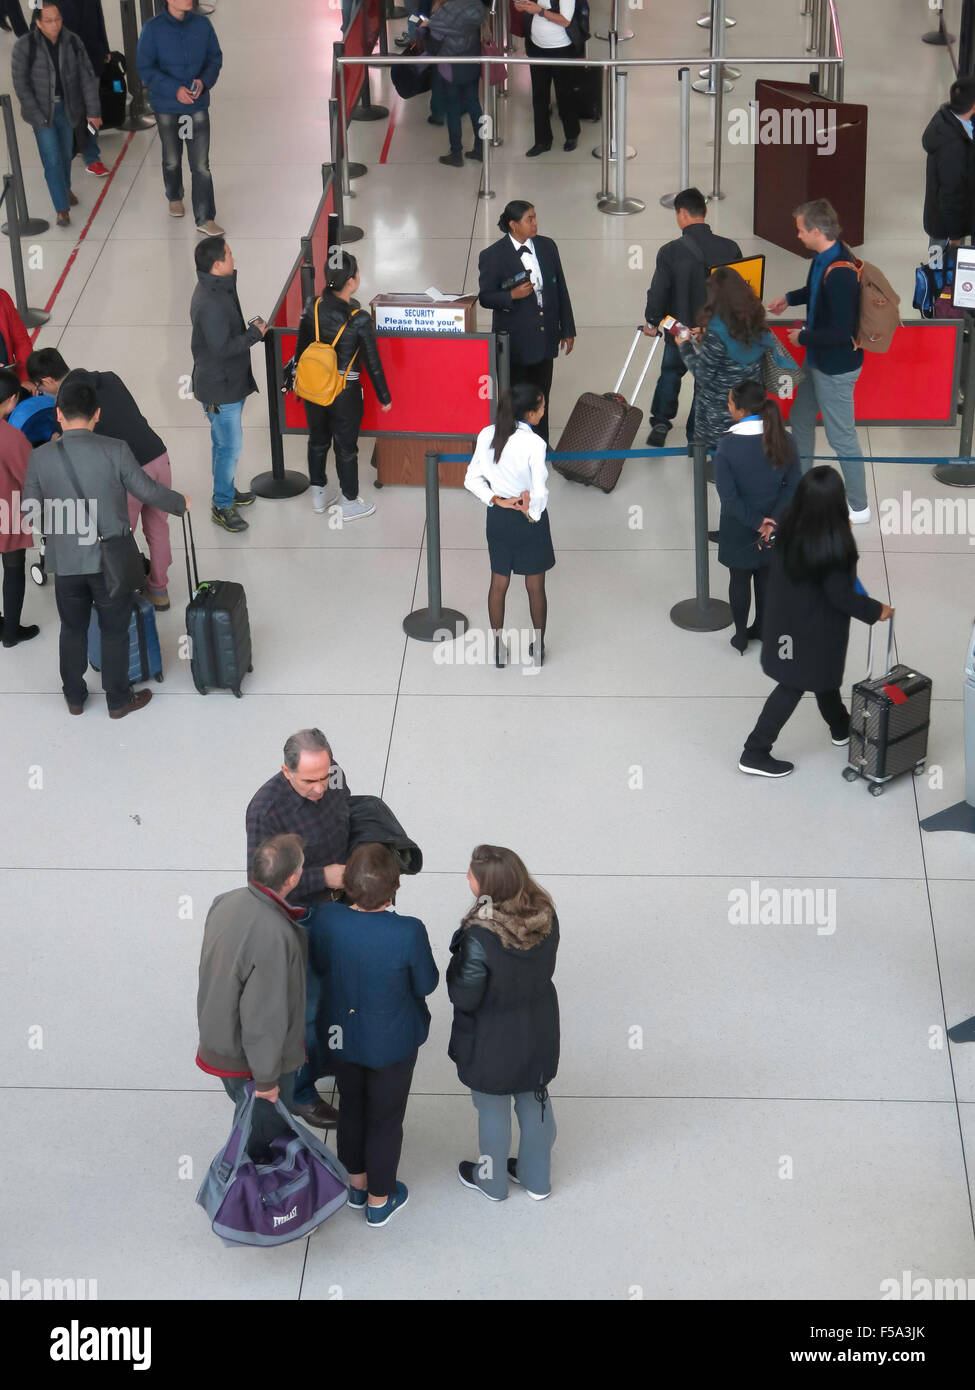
(602, 424)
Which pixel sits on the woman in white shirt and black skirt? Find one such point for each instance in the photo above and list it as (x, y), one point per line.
(512, 480)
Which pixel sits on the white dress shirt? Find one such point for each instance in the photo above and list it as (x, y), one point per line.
(530, 262)
(520, 468)
(545, 33)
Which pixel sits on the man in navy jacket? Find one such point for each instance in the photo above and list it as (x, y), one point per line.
(537, 314)
(833, 362)
(179, 60)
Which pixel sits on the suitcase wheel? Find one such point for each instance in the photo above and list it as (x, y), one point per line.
(37, 574)
(238, 692)
(918, 768)
(876, 788)
(850, 774)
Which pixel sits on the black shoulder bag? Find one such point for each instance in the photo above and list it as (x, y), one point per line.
(122, 567)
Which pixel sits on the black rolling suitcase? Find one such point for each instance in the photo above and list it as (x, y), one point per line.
(113, 92)
(217, 626)
(889, 720)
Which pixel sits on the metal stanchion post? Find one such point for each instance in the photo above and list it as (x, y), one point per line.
(486, 191)
(822, 43)
(364, 109)
(702, 613)
(706, 85)
(684, 80)
(434, 623)
(614, 25)
(26, 225)
(138, 103)
(620, 205)
(705, 21)
(280, 481)
(812, 12)
(307, 271)
(609, 89)
(718, 129)
(33, 318)
(492, 105)
(503, 36)
(346, 231)
(938, 36)
(613, 108)
(963, 474)
(353, 170)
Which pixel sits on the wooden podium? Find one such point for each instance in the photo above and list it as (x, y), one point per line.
(794, 124)
(401, 458)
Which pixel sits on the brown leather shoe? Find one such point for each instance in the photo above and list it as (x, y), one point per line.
(321, 1114)
(76, 709)
(72, 199)
(138, 701)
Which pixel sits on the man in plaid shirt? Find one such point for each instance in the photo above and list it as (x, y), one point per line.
(308, 797)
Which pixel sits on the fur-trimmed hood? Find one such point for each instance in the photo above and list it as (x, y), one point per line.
(517, 931)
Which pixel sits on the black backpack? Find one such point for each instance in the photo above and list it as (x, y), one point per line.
(112, 90)
(578, 30)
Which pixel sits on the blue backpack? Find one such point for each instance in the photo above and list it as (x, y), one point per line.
(35, 418)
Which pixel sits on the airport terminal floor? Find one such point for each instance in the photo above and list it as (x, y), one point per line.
(748, 1110)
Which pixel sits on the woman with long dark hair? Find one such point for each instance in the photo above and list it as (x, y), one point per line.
(812, 596)
(507, 471)
(756, 471)
(505, 1036)
(339, 319)
(733, 338)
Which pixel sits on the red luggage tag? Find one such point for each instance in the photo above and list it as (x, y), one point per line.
(895, 695)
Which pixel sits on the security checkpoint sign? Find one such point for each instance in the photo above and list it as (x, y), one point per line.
(419, 318)
(964, 287)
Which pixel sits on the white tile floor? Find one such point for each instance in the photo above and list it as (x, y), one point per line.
(758, 1041)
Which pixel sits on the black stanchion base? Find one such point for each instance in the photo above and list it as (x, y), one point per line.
(356, 171)
(961, 817)
(709, 616)
(938, 37)
(291, 485)
(425, 627)
(350, 233)
(370, 113)
(34, 318)
(32, 227)
(955, 474)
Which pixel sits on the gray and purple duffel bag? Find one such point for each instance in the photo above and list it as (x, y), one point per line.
(252, 1203)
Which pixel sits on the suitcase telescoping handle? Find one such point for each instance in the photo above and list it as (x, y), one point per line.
(629, 358)
(192, 583)
(890, 649)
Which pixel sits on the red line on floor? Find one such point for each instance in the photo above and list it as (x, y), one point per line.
(393, 116)
(84, 232)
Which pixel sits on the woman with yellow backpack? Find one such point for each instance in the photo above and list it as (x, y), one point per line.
(336, 340)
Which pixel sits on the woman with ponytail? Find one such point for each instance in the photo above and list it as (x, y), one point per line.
(507, 471)
(756, 472)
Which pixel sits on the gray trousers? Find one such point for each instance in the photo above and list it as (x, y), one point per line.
(536, 1137)
(831, 397)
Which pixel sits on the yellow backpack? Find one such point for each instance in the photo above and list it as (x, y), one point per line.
(317, 378)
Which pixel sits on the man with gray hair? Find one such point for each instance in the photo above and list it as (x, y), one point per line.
(308, 797)
(251, 998)
(833, 361)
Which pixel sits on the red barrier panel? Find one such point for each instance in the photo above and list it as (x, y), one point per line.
(291, 302)
(440, 386)
(915, 382)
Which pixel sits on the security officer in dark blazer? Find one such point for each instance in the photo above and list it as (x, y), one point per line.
(536, 314)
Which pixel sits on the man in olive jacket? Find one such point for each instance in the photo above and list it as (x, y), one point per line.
(222, 376)
(57, 89)
(251, 999)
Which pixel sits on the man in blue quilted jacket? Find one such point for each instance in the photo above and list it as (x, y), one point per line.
(179, 60)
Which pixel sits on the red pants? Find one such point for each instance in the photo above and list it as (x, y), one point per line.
(155, 525)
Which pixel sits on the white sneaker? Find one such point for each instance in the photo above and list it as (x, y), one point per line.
(351, 511)
(857, 517)
(322, 498)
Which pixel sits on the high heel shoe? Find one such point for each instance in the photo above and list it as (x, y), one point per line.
(740, 643)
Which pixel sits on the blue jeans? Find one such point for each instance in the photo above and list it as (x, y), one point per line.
(460, 99)
(666, 397)
(832, 397)
(196, 138)
(226, 441)
(55, 144)
(91, 154)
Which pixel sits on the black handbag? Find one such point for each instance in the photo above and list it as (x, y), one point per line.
(122, 567)
(411, 80)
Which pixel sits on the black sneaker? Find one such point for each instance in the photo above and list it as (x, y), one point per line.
(764, 765)
(476, 153)
(227, 518)
(840, 737)
(657, 437)
(243, 499)
(537, 149)
(456, 161)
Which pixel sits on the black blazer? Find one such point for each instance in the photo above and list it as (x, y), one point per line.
(815, 617)
(534, 334)
(750, 489)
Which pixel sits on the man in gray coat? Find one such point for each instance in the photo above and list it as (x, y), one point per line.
(106, 471)
(251, 998)
(58, 90)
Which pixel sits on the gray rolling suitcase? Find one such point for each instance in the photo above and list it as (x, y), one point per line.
(602, 424)
(889, 718)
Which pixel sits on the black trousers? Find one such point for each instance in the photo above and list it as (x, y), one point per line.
(538, 374)
(372, 1103)
(11, 9)
(779, 708)
(336, 424)
(740, 596)
(565, 93)
(75, 594)
(14, 586)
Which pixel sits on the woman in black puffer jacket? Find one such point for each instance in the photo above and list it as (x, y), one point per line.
(505, 1038)
(456, 26)
(337, 312)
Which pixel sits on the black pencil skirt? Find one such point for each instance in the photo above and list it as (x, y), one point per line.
(518, 545)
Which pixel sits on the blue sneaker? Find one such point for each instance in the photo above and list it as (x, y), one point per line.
(378, 1216)
(357, 1198)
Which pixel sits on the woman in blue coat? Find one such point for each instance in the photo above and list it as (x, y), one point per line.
(756, 472)
(375, 969)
